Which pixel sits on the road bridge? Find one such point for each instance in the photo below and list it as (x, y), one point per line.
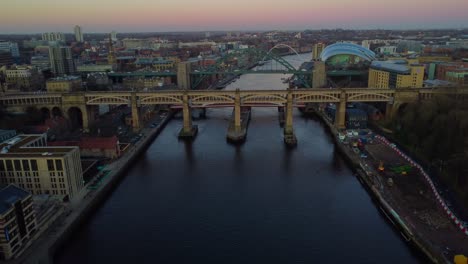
(86, 103)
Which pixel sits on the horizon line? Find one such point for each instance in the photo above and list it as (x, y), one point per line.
(251, 30)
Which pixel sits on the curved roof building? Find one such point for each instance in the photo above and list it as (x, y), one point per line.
(347, 50)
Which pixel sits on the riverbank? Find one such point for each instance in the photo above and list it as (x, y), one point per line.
(43, 250)
(438, 244)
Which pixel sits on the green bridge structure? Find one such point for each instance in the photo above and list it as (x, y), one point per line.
(243, 61)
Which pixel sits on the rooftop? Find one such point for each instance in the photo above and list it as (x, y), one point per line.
(65, 78)
(17, 147)
(9, 195)
(391, 67)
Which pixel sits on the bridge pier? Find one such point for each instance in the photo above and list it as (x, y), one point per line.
(135, 113)
(188, 130)
(183, 75)
(340, 114)
(389, 111)
(237, 130)
(289, 136)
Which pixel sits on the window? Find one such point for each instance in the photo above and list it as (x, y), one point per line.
(17, 165)
(34, 165)
(2, 166)
(9, 165)
(50, 165)
(25, 165)
(58, 164)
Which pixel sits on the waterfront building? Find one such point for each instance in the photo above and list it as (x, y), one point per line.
(393, 75)
(17, 220)
(61, 60)
(11, 47)
(94, 146)
(27, 161)
(53, 36)
(78, 34)
(64, 84)
(317, 50)
(458, 76)
(440, 69)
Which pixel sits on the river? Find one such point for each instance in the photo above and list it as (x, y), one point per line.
(211, 202)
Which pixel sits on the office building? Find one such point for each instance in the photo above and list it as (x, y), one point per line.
(114, 36)
(387, 50)
(61, 60)
(5, 58)
(17, 220)
(317, 50)
(40, 62)
(53, 36)
(24, 78)
(366, 44)
(28, 162)
(11, 47)
(78, 34)
(393, 75)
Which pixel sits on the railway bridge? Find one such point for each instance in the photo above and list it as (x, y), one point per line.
(86, 103)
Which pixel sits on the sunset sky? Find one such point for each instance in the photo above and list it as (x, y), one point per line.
(31, 16)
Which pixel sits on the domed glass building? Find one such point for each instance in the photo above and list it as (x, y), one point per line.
(347, 56)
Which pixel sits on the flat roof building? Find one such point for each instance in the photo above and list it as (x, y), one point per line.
(17, 220)
(28, 162)
(384, 74)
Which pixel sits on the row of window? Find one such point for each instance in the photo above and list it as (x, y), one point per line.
(29, 165)
(61, 185)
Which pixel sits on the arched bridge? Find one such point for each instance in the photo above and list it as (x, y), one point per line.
(187, 99)
(229, 65)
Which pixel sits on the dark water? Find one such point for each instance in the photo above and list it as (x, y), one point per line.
(211, 202)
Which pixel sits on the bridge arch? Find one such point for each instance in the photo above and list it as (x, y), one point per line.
(108, 99)
(218, 99)
(363, 97)
(75, 116)
(309, 98)
(56, 111)
(287, 46)
(46, 113)
(264, 98)
(161, 99)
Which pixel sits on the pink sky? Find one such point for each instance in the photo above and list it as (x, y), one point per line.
(29, 16)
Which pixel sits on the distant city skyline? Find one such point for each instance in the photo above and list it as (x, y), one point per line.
(31, 16)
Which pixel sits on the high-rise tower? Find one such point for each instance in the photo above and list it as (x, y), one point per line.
(111, 58)
(78, 34)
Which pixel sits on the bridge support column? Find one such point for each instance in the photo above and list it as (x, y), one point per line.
(389, 111)
(135, 113)
(188, 130)
(319, 75)
(340, 114)
(237, 112)
(289, 137)
(85, 118)
(183, 75)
